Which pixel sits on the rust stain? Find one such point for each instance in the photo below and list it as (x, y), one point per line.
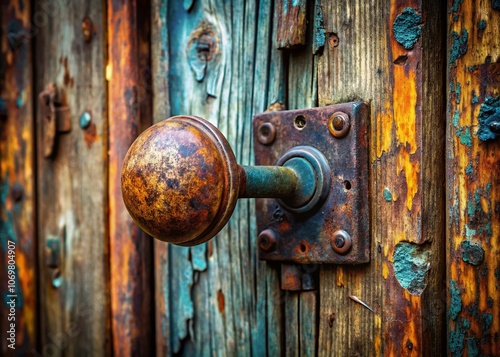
(90, 135)
(220, 301)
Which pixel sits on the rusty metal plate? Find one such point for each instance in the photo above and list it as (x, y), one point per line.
(338, 231)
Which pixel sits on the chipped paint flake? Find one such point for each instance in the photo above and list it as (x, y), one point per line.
(411, 263)
(407, 28)
(459, 46)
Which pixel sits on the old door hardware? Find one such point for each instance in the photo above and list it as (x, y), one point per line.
(56, 118)
(338, 230)
(180, 183)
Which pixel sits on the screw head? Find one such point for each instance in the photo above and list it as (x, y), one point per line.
(266, 133)
(85, 120)
(339, 124)
(267, 240)
(341, 241)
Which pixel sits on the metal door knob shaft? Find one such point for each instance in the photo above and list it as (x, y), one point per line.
(180, 180)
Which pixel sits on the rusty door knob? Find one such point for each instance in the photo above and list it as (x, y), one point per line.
(180, 180)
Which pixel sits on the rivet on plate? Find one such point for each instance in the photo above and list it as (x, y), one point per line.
(339, 124)
(341, 241)
(267, 240)
(266, 133)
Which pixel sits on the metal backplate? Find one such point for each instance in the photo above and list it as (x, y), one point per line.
(323, 235)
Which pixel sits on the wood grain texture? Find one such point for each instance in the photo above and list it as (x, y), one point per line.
(17, 183)
(291, 17)
(219, 59)
(392, 57)
(131, 279)
(72, 192)
(473, 180)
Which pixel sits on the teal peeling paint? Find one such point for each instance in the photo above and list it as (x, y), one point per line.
(481, 25)
(456, 118)
(411, 263)
(472, 347)
(455, 301)
(475, 98)
(459, 46)
(469, 232)
(458, 93)
(469, 170)
(456, 5)
(457, 337)
(465, 136)
(319, 29)
(198, 257)
(486, 321)
(407, 28)
(387, 194)
(489, 112)
(472, 253)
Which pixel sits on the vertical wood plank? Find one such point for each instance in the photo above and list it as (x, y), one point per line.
(291, 17)
(19, 309)
(72, 193)
(131, 276)
(220, 299)
(473, 179)
(390, 54)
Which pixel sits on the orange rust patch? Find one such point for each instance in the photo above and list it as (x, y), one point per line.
(221, 301)
(90, 135)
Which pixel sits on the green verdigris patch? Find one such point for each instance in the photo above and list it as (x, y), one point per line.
(455, 300)
(459, 46)
(411, 263)
(407, 28)
(489, 117)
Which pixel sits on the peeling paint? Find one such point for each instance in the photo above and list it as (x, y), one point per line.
(472, 253)
(475, 98)
(456, 5)
(482, 25)
(411, 263)
(472, 347)
(407, 28)
(469, 170)
(489, 116)
(319, 30)
(457, 337)
(495, 4)
(387, 194)
(486, 322)
(459, 46)
(455, 301)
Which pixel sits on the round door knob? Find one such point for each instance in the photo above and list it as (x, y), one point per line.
(180, 180)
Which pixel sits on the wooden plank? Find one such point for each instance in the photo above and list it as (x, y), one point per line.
(291, 17)
(473, 180)
(216, 294)
(131, 276)
(72, 192)
(19, 318)
(390, 54)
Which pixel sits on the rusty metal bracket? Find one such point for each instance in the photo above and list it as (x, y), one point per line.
(56, 117)
(334, 229)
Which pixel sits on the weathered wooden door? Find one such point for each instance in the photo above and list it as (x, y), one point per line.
(87, 281)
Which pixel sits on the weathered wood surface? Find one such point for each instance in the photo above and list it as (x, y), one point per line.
(72, 191)
(216, 61)
(390, 54)
(291, 17)
(473, 178)
(131, 279)
(17, 191)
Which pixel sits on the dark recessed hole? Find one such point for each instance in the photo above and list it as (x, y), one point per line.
(299, 122)
(302, 247)
(347, 185)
